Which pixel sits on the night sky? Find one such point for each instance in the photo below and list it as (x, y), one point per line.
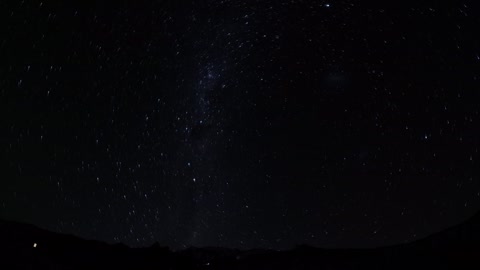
(259, 124)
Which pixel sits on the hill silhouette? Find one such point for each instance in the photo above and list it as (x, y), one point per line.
(25, 246)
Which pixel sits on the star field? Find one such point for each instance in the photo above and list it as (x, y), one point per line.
(263, 124)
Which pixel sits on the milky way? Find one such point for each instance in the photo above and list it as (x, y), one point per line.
(264, 124)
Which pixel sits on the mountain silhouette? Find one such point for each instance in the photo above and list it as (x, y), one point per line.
(26, 246)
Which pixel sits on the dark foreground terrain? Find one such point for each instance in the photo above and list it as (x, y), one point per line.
(455, 248)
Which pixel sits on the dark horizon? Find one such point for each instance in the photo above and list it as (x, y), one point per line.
(27, 247)
(455, 231)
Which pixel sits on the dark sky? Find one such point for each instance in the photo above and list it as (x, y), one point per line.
(259, 124)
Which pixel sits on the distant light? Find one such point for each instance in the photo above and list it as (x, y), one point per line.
(34, 245)
(327, 5)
